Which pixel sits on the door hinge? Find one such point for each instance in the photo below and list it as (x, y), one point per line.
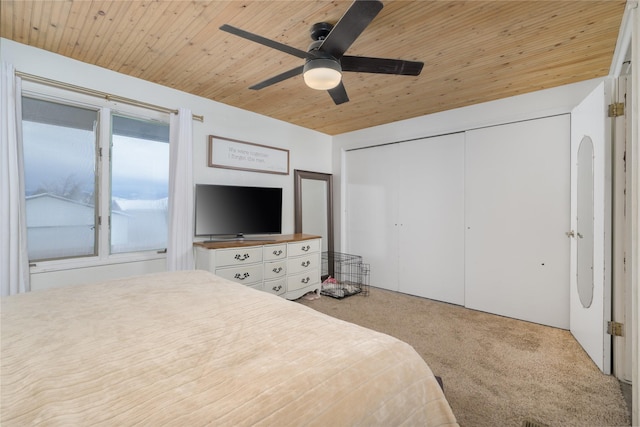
(615, 328)
(616, 109)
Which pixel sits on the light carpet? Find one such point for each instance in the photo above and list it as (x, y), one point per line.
(497, 371)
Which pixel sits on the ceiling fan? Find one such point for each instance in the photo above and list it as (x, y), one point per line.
(325, 59)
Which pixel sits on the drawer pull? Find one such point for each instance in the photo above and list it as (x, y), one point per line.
(277, 270)
(305, 280)
(277, 288)
(277, 253)
(242, 257)
(241, 276)
(306, 263)
(305, 248)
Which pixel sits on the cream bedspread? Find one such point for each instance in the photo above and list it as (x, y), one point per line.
(189, 348)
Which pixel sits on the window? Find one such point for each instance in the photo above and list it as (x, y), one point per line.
(139, 184)
(59, 143)
(96, 181)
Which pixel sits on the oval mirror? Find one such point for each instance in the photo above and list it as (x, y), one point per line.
(584, 225)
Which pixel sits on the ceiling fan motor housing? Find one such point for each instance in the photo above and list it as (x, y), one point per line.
(319, 58)
(320, 31)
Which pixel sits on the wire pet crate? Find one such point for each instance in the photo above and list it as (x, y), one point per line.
(344, 275)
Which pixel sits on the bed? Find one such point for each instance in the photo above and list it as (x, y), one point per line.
(190, 348)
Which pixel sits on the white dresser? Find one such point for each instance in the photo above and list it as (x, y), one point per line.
(285, 265)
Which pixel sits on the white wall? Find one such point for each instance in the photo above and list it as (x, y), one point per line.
(308, 150)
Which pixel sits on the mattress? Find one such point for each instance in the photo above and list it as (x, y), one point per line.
(190, 348)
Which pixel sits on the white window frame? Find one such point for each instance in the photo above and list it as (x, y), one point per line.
(105, 109)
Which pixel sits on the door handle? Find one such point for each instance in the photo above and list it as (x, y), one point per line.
(570, 233)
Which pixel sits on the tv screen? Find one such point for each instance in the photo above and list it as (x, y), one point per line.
(226, 210)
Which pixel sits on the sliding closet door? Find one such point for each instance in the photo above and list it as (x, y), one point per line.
(431, 220)
(517, 213)
(405, 215)
(372, 211)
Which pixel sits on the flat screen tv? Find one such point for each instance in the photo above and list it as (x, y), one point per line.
(234, 211)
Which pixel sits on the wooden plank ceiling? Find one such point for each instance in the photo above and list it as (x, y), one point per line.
(474, 51)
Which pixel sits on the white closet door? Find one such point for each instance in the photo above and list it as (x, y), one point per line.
(431, 221)
(517, 212)
(372, 212)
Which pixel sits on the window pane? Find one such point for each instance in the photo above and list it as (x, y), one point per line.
(139, 184)
(60, 181)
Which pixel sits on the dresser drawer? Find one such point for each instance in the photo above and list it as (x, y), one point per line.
(276, 287)
(244, 274)
(257, 286)
(303, 263)
(238, 256)
(304, 247)
(275, 252)
(275, 269)
(302, 280)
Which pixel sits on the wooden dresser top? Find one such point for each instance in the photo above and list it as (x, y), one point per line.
(264, 240)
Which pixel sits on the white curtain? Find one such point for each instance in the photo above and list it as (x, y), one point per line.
(14, 260)
(180, 240)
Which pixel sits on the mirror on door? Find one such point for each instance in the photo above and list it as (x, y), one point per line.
(584, 233)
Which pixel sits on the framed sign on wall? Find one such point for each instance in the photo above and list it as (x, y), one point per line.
(233, 154)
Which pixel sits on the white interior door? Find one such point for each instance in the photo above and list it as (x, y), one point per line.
(590, 284)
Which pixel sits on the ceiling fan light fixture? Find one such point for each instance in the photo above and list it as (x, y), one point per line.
(322, 73)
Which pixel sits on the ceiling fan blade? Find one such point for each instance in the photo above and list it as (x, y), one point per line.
(362, 64)
(339, 94)
(265, 41)
(350, 26)
(277, 79)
